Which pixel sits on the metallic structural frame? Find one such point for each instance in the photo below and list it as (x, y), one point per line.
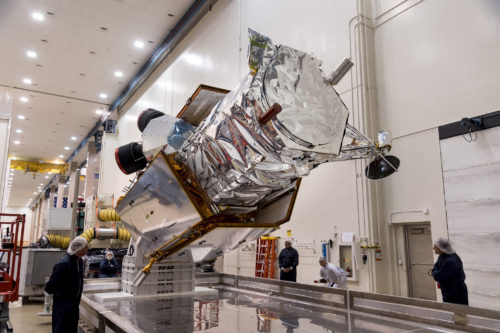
(426, 313)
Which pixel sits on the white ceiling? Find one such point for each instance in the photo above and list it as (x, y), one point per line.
(79, 45)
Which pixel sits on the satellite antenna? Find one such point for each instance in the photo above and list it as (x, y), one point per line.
(382, 166)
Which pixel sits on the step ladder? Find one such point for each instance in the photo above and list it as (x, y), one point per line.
(265, 257)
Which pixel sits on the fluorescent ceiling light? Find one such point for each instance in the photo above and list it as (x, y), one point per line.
(73, 138)
(35, 192)
(66, 148)
(23, 99)
(31, 54)
(60, 156)
(46, 177)
(19, 130)
(118, 74)
(37, 16)
(27, 80)
(98, 111)
(138, 44)
(17, 142)
(20, 117)
(103, 95)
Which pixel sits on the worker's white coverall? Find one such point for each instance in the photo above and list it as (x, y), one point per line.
(335, 276)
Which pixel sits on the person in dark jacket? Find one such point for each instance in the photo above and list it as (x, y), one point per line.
(109, 266)
(288, 262)
(449, 273)
(66, 283)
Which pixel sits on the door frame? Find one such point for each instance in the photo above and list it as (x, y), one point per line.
(399, 246)
(407, 252)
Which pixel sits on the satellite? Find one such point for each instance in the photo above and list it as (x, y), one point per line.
(227, 169)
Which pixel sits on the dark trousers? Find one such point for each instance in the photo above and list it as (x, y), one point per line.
(65, 316)
(290, 276)
(455, 293)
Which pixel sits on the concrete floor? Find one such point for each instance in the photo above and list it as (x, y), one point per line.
(24, 318)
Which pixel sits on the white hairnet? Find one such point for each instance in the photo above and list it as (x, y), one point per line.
(444, 245)
(76, 245)
(322, 259)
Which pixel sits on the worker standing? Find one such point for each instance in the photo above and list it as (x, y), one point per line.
(449, 272)
(66, 283)
(288, 262)
(332, 275)
(109, 266)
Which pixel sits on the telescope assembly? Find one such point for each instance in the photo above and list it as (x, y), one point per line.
(227, 169)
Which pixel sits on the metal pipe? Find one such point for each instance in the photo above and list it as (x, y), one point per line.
(340, 71)
(75, 202)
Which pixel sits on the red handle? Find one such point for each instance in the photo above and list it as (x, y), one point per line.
(271, 113)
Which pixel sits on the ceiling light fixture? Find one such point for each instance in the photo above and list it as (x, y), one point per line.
(66, 148)
(98, 111)
(73, 138)
(27, 80)
(24, 99)
(103, 95)
(21, 117)
(19, 131)
(37, 16)
(46, 177)
(16, 142)
(138, 44)
(31, 54)
(60, 156)
(118, 74)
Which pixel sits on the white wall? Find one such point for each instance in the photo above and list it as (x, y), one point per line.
(436, 62)
(28, 222)
(5, 112)
(432, 62)
(471, 174)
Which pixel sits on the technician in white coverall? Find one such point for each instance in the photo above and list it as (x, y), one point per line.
(332, 275)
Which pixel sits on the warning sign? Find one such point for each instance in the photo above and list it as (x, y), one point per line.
(378, 255)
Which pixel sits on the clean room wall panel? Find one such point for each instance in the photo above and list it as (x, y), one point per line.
(486, 150)
(471, 181)
(462, 213)
(485, 180)
(416, 186)
(209, 55)
(435, 64)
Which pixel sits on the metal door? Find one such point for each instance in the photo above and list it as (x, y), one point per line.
(420, 259)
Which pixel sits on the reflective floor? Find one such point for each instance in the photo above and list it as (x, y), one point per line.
(231, 311)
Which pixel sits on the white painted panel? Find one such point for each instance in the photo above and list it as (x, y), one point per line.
(472, 196)
(437, 62)
(480, 283)
(462, 214)
(484, 150)
(476, 183)
(478, 251)
(4, 147)
(209, 55)
(418, 183)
